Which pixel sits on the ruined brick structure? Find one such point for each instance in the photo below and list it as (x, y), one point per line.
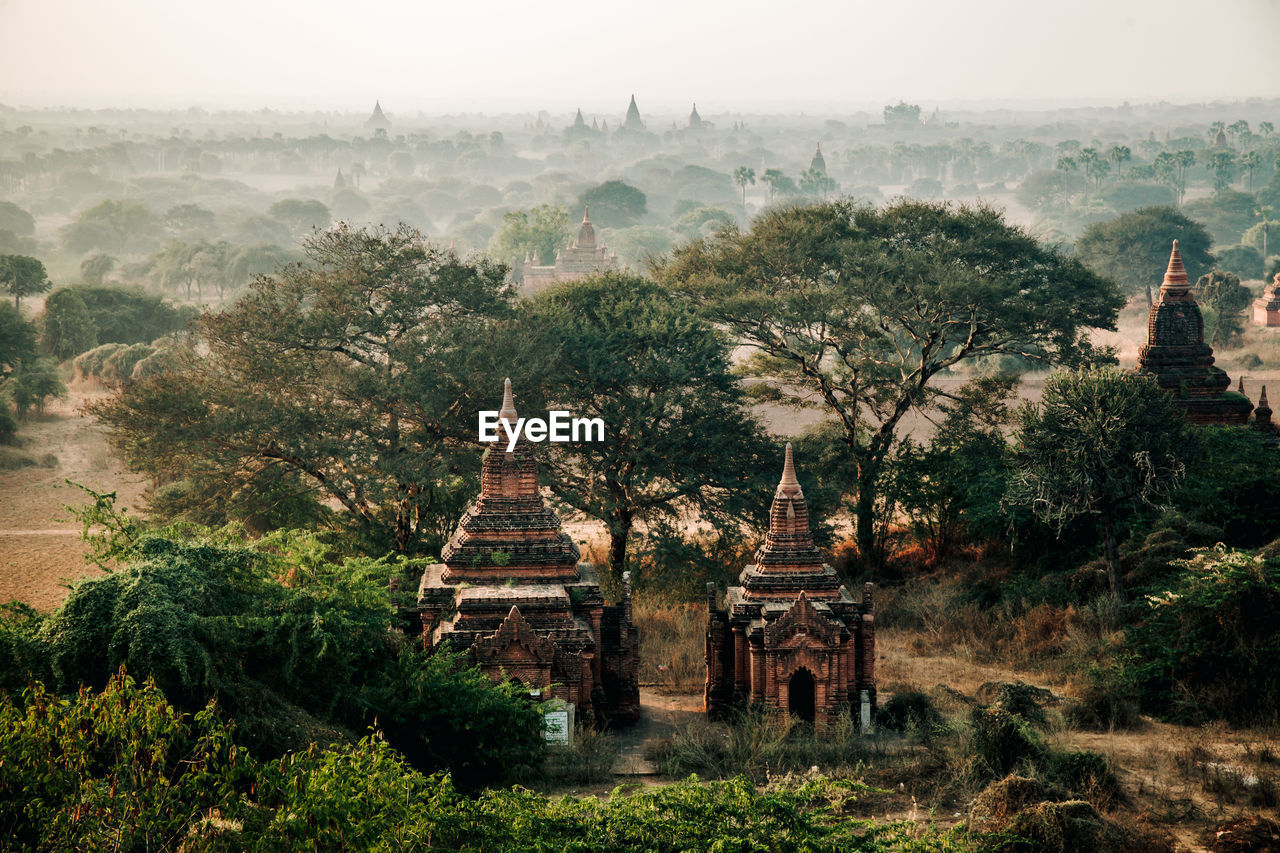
(511, 592)
(1266, 308)
(790, 638)
(578, 260)
(1180, 359)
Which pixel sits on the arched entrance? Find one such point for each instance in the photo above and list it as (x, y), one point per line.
(800, 695)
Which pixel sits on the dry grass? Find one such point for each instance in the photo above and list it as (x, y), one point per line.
(672, 643)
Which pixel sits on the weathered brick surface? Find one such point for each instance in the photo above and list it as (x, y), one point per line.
(1175, 352)
(512, 593)
(789, 623)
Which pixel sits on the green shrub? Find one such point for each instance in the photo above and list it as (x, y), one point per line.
(1206, 646)
(296, 647)
(1003, 742)
(911, 712)
(121, 769)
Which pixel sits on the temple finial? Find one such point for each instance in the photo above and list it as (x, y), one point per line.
(586, 213)
(789, 483)
(508, 412)
(1176, 273)
(1262, 398)
(1240, 385)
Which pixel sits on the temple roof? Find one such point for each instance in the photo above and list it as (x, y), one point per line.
(377, 119)
(788, 560)
(1180, 359)
(633, 121)
(586, 232)
(508, 532)
(818, 163)
(695, 120)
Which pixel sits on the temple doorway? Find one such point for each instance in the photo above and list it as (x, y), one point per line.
(800, 695)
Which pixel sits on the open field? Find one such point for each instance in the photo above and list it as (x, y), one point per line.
(39, 540)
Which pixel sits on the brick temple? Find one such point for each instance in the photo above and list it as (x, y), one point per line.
(511, 591)
(1266, 308)
(580, 259)
(1182, 362)
(791, 638)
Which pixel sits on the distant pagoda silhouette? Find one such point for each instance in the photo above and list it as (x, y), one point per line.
(818, 163)
(633, 121)
(1175, 352)
(377, 120)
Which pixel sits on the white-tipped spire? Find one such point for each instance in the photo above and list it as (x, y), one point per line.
(789, 483)
(508, 412)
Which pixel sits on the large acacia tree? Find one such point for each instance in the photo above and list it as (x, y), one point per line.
(678, 435)
(352, 372)
(855, 311)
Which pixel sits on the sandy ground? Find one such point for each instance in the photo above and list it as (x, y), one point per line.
(40, 548)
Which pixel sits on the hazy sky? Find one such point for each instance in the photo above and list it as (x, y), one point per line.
(498, 55)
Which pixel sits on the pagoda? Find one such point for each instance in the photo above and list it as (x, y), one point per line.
(578, 260)
(511, 592)
(818, 163)
(378, 119)
(1261, 423)
(632, 121)
(1266, 308)
(791, 638)
(1175, 352)
(695, 120)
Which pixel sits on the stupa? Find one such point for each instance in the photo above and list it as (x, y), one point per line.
(1266, 308)
(1266, 428)
(632, 120)
(510, 590)
(1175, 352)
(791, 638)
(377, 120)
(818, 163)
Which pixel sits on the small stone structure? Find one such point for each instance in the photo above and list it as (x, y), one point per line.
(1266, 308)
(791, 638)
(582, 258)
(1182, 362)
(511, 591)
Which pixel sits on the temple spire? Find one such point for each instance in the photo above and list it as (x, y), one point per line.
(789, 484)
(508, 412)
(1176, 273)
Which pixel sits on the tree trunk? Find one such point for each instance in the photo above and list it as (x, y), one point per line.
(1113, 560)
(866, 529)
(619, 533)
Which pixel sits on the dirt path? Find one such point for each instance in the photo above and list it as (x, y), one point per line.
(660, 714)
(40, 549)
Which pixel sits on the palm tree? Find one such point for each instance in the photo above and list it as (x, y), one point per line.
(1119, 154)
(1250, 160)
(1264, 213)
(1184, 160)
(742, 176)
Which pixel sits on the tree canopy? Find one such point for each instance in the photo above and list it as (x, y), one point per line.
(349, 370)
(1100, 443)
(1133, 248)
(614, 204)
(23, 276)
(678, 436)
(855, 310)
